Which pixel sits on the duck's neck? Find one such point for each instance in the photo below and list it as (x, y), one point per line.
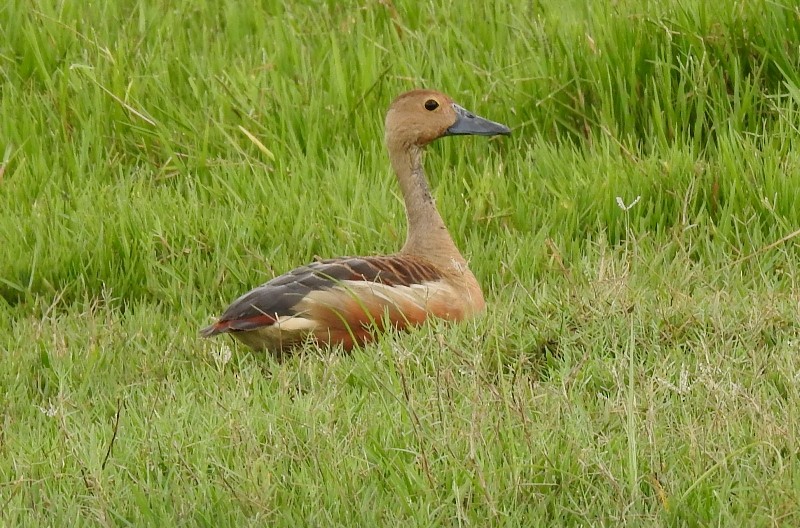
(427, 233)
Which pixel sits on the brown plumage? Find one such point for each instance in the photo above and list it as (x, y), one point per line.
(348, 300)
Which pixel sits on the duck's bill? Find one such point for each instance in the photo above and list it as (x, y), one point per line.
(468, 123)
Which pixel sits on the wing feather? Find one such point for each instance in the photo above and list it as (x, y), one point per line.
(284, 296)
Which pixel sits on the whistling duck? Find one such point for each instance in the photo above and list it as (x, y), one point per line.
(347, 300)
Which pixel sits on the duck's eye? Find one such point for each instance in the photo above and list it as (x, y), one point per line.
(431, 105)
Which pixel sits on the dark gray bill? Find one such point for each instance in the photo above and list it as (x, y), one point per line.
(469, 123)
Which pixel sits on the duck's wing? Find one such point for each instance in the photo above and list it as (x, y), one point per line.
(340, 295)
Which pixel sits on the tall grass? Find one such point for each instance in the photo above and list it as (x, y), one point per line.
(637, 365)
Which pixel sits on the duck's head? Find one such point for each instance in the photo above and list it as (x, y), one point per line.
(418, 117)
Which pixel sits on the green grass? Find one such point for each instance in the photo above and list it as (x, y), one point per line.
(634, 367)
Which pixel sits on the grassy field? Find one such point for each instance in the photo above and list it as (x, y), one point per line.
(637, 239)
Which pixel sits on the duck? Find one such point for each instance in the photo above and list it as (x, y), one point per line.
(349, 301)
